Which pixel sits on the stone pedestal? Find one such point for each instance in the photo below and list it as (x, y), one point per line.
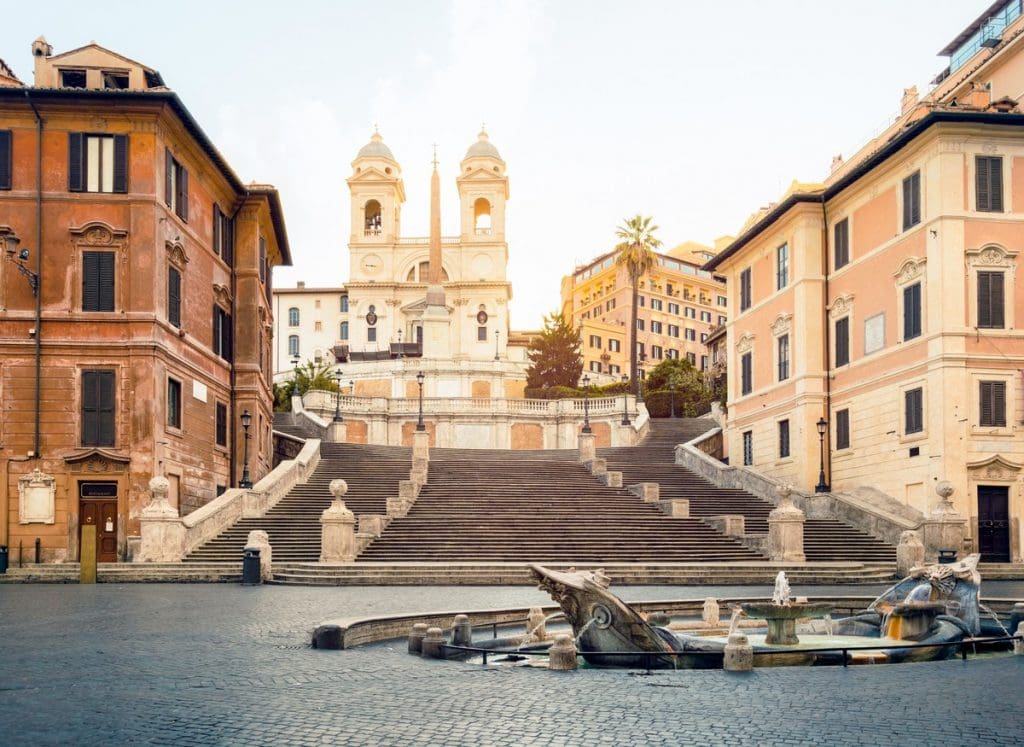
(260, 540)
(562, 654)
(677, 508)
(731, 525)
(597, 467)
(397, 507)
(786, 530)
(909, 553)
(462, 631)
(611, 478)
(336, 432)
(337, 534)
(649, 492)
(162, 534)
(432, 642)
(945, 528)
(416, 636)
(421, 445)
(588, 447)
(739, 654)
(372, 524)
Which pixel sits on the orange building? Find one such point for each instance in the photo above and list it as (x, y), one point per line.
(135, 316)
(883, 305)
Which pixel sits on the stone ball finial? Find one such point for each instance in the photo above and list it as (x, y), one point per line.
(338, 488)
(159, 486)
(784, 490)
(945, 489)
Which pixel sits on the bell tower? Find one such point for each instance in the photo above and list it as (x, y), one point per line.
(377, 194)
(483, 190)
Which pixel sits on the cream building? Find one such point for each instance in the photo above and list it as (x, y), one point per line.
(882, 304)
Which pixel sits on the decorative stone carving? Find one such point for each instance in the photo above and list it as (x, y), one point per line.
(97, 233)
(909, 553)
(911, 269)
(711, 612)
(991, 256)
(782, 324)
(944, 528)
(535, 625)
(945, 490)
(36, 492)
(841, 306)
(994, 468)
(786, 529)
(176, 254)
(745, 343)
(162, 533)
(221, 295)
(159, 506)
(337, 534)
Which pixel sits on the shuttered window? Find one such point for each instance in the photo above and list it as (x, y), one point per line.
(222, 334)
(783, 357)
(263, 260)
(783, 439)
(97, 163)
(781, 267)
(993, 404)
(174, 296)
(842, 429)
(223, 236)
(912, 311)
(748, 448)
(222, 424)
(97, 408)
(746, 373)
(842, 243)
(97, 281)
(990, 300)
(912, 200)
(6, 156)
(913, 409)
(175, 186)
(988, 183)
(745, 290)
(173, 403)
(842, 341)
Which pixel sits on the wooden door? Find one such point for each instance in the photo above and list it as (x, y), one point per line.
(98, 507)
(994, 523)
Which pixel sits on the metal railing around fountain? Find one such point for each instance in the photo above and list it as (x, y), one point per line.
(649, 657)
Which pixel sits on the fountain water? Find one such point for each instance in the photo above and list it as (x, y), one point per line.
(735, 621)
(995, 617)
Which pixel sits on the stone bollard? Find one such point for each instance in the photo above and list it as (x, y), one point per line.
(261, 541)
(786, 529)
(1018, 646)
(611, 478)
(711, 612)
(336, 431)
(648, 492)
(1016, 616)
(597, 467)
(421, 445)
(416, 636)
(909, 553)
(739, 654)
(432, 642)
(587, 447)
(659, 619)
(562, 654)
(535, 625)
(162, 531)
(337, 533)
(462, 631)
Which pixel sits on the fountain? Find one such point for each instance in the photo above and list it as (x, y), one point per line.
(782, 613)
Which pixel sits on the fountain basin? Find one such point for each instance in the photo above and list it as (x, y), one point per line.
(781, 618)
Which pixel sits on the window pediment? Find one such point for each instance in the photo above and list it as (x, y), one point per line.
(745, 343)
(911, 269)
(841, 306)
(221, 296)
(98, 233)
(176, 254)
(991, 256)
(782, 324)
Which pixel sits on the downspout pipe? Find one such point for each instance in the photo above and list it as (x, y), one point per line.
(828, 339)
(232, 416)
(39, 270)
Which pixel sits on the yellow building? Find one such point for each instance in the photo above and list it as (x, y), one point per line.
(882, 304)
(679, 305)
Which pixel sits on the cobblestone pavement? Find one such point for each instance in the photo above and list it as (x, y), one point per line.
(222, 664)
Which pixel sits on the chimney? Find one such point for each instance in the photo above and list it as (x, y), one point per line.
(301, 284)
(837, 162)
(909, 99)
(41, 51)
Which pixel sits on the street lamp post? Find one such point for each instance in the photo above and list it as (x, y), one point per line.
(497, 334)
(672, 399)
(400, 351)
(295, 379)
(245, 482)
(625, 399)
(419, 423)
(640, 378)
(586, 404)
(337, 395)
(822, 486)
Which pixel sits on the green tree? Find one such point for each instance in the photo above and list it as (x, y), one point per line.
(554, 355)
(310, 375)
(678, 382)
(636, 254)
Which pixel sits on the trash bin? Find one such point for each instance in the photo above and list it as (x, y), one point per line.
(947, 556)
(251, 567)
(3, 558)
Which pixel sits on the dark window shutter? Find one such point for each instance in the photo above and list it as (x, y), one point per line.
(263, 260)
(229, 241)
(76, 162)
(990, 300)
(227, 347)
(217, 235)
(912, 311)
(216, 329)
(842, 243)
(993, 403)
(97, 408)
(105, 274)
(843, 429)
(981, 183)
(90, 281)
(183, 194)
(168, 177)
(174, 296)
(120, 163)
(996, 184)
(843, 342)
(914, 417)
(912, 200)
(222, 424)
(106, 408)
(5, 159)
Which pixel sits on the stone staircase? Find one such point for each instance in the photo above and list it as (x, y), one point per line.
(372, 474)
(654, 461)
(295, 425)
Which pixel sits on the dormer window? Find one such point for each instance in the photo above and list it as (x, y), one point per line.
(116, 80)
(72, 78)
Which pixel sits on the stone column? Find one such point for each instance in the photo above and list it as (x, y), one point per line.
(945, 528)
(739, 654)
(562, 654)
(909, 553)
(587, 447)
(162, 533)
(786, 529)
(432, 642)
(337, 534)
(419, 632)
(260, 540)
(421, 445)
(462, 631)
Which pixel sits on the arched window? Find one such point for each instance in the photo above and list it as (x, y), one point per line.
(372, 214)
(343, 332)
(293, 346)
(344, 303)
(293, 317)
(421, 274)
(482, 217)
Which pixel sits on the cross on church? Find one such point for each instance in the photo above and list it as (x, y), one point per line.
(435, 155)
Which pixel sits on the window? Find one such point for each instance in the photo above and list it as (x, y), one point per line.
(656, 304)
(668, 289)
(842, 429)
(748, 448)
(841, 246)
(705, 316)
(344, 304)
(721, 319)
(993, 404)
(481, 334)
(614, 346)
(690, 334)
(842, 341)
(990, 300)
(703, 363)
(595, 366)
(293, 317)
(222, 333)
(988, 183)
(293, 344)
(656, 327)
(783, 347)
(913, 408)
(371, 334)
(173, 403)
(640, 324)
(783, 439)
(912, 200)
(745, 290)
(613, 369)
(222, 424)
(746, 373)
(174, 296)
(609, 305)
(703, 336)
(673, 308)
(594, 341)
(6, 155)
(912, 311)
(223, 236)
(782, 267)
(116, 80)
(97, 163)
(642, 301)
(690, 313)
(72, 79)
(175, 186)
(97, 408)
(343, 331)
(97, 281)
(657, 352)
(722, 301)
(672, 354)
(263, 260)
(692, 358)
(318, 326)
(673, 330)
(641, 351)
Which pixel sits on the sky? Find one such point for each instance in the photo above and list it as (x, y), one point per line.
(696, 114)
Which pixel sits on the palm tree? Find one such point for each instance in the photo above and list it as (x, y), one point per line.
(636, 254)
